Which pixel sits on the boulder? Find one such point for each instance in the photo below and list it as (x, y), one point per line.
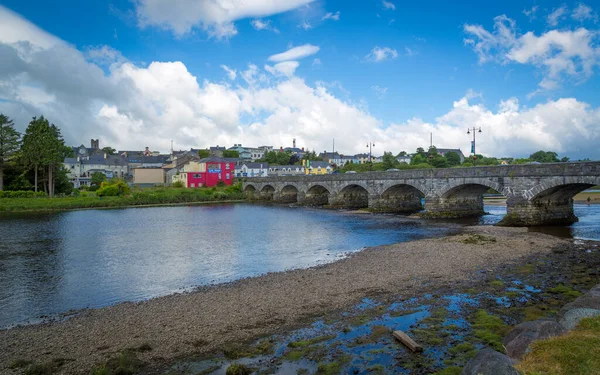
(572, 317)
(489, 362)
(518, 339)
(590, 300)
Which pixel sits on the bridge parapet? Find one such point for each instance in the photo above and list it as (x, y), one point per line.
(537, 194)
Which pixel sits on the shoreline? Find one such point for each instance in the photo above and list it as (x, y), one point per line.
(250, 308)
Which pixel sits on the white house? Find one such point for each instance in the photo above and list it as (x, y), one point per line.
(286, 170)
(252, 170)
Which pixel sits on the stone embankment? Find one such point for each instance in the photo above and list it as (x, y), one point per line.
(518, 341)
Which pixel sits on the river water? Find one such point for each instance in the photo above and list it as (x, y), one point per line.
(54, 263)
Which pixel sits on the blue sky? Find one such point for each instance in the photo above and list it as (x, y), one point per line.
(391, 72)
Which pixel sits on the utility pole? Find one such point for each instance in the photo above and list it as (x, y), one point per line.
(370, 145)
(475, 130)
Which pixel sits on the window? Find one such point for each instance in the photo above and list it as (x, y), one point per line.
(227, 176)
(226, 165)
(192, 185)
(219, 176)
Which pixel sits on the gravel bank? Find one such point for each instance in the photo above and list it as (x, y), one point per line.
(268, 304)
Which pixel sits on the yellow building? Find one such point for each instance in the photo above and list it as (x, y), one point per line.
(316, 167)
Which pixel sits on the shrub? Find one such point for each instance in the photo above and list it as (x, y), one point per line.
(220, 184)
(178, 184)
(22, 194)
(108, 191)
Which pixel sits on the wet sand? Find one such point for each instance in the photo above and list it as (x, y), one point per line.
(273, 303)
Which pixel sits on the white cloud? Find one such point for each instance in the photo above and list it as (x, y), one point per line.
(530, 13)
(263, 25)
(216, 17)
(305, 25)
(317, 62)
(379, 91)
(286, 68)
(558, 54)
(295, 53)
(231, 73)
(131, 106)
(388, 5)
(409, 52)
(332, 16)
(378, 54)
(557, 15)
(583, 12)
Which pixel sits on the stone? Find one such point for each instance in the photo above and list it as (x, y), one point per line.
(590, 300)
(517, 341)
(572, 317)
(489, 362)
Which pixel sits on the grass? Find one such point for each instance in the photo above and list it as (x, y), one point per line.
(126, 363)
(565, 290)
(309, 342)
(478, 239)
(135, 198)
(490, 329)
(238, 369)
(577, 352)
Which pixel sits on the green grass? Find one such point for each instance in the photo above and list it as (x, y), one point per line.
(577, 352)
(135, 198)
(314, 340)
(490, 329)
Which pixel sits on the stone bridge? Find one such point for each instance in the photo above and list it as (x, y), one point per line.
(537, 194)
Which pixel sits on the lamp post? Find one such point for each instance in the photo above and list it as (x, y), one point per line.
(475, 130)
(370, 145)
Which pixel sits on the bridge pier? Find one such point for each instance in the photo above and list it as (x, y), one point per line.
(521, 212)
(314, 198)
(408, 203)
(352, 200)
(453, 208)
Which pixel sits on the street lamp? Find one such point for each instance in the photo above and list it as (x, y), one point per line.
(475, 130)
(370, 145)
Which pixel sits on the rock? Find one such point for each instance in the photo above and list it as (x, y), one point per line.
(518, 339)
(489, 362)
(590, 300)
(572, 317)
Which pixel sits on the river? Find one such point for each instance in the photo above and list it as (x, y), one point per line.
(51, 264)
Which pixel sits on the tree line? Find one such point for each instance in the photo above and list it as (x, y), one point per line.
(33, 160)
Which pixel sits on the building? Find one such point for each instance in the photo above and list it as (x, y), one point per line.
(444, 151)
(216, 150)
(206, 172)
(141, 161)
(318, 167)
(363, 158)
(286, 170)
(331, 157)
(404, 159)
(252, 170)
(177, 164)
(80, 168)
(149, 176)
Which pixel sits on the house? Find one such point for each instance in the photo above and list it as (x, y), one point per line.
(349, 159)
(294, 151)
(252, 170)
(80, 168)
(286, 170)
(177, 164)
(318, 167)
(331, 157)
(404, 159)
(206, 172)
(444, 151)
(249, 153)
(141, 161)
(363, 158)
(148, 176)
(217, 150)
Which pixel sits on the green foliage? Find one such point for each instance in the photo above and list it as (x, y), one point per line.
(203, 153)
(113, 188)
(9, 143)
(178, 184)
(489, 329)
(231, 154)
(544, 157)
(22, 194)
(453, 159)
(277, 158)
(126, 363)
(312, 156)
(389, 161)
(238, 369)
(109, 150)
(97, 178)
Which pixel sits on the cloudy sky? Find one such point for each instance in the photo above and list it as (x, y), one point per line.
(138, 73)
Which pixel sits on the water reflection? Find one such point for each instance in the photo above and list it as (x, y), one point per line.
(53, 263)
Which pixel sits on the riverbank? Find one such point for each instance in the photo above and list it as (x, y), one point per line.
(146, 197)
(213, 317)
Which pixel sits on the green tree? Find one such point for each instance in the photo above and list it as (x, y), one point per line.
(203, 153)
(544, 157)
(283, 158)
(109, 150)
(231, 154)
(401, 154)
(453, 158)
(97, 179)
(9, 143)
(389, 161)
(418, 159)
(563, 160)
(438, 161)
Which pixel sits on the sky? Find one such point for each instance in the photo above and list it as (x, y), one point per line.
(137, 73)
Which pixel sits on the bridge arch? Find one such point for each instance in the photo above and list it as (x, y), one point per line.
(353, 196)
(401, 198)
(267, 192)
(250, 191)
(317, 195)
(562, 190)
(469, 188)
(288, 194)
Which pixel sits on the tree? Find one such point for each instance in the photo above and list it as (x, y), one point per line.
(389, 161)
(401, 154)
(109, 150)
(453, 158)
(9, 143)
(203, 153)
(33, 146)
(97, 178)
(563, 160)
(231, 154)
(544, 157)
(418, 159)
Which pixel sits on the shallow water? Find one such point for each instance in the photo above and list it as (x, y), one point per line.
(53, 263)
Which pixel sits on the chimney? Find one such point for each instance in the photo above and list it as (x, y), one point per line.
(294, 142)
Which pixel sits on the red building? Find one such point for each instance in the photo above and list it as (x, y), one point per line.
(207, 172)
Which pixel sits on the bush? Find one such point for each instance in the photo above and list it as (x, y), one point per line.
(108, 191)
(22, 194)
(178, 185)
(221, 184)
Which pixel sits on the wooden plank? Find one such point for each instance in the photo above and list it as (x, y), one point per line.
(410, 343)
